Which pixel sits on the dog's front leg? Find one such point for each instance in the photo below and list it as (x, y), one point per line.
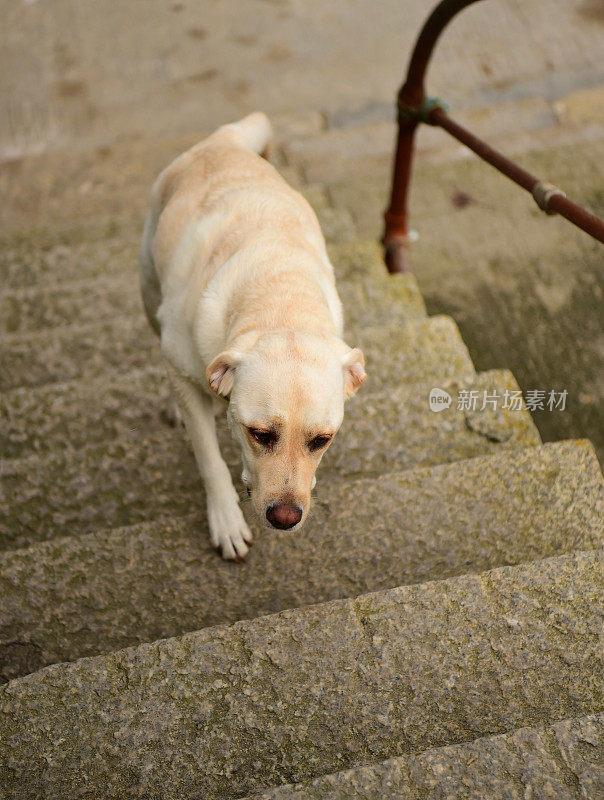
(228, 530)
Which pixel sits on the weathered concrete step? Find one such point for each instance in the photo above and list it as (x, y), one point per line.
(411, 349)
(46, 258)
(367, 292)
(28, 268)
(77, 303)
(76, 351)
(234, 710)
(366, 300)
(73, 414)
(153, 475)
(369, 295)
(561, 761)
(117, 403)
(100, 246)
(61, 601)
(397, 430)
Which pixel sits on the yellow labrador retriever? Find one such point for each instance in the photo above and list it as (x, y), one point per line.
(236, 281)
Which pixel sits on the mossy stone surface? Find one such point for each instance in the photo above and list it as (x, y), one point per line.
(234, 710)
(79, 596)
(151, 474)
(553, 762)
(411, 346)
(368, 293)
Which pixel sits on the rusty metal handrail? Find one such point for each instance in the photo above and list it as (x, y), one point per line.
(415, 107)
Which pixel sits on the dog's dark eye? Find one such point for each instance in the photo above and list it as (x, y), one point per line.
(319, 442)
(264, 438)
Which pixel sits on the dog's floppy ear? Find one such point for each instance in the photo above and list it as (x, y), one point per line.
(354, 371)
(220, 374)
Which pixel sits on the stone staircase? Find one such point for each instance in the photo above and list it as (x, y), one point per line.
(432, 632)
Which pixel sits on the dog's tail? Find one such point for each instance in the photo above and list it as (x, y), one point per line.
(254, 131)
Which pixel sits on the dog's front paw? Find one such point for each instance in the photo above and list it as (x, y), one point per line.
(229, 532)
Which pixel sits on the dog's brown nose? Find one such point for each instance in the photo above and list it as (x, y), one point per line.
(283, 515)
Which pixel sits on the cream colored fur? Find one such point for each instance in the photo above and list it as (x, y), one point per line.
(236, 281)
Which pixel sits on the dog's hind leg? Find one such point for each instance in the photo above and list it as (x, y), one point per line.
(151, 294)
(228, 530)
(170, 414)
(149, 282)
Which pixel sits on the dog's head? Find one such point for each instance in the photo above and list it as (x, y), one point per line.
(286, 393)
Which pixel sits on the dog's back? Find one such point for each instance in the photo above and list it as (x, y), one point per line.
(183, 186)
(210, 200)
(217, 201)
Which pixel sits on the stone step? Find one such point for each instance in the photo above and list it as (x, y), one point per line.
(34, 264)
(411, 349)
(46, 259)
(117, 403)
(366, 291)
(561, 761)
(62, 600)
(76, 351)
(78, 303)
(153, 475)
(100, 246)
(234, 710)
(111, 372)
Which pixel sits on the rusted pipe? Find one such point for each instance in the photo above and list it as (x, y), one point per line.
(413, 108)
(395, 239)
(554, 201)
(412, 91)
(411, 98)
